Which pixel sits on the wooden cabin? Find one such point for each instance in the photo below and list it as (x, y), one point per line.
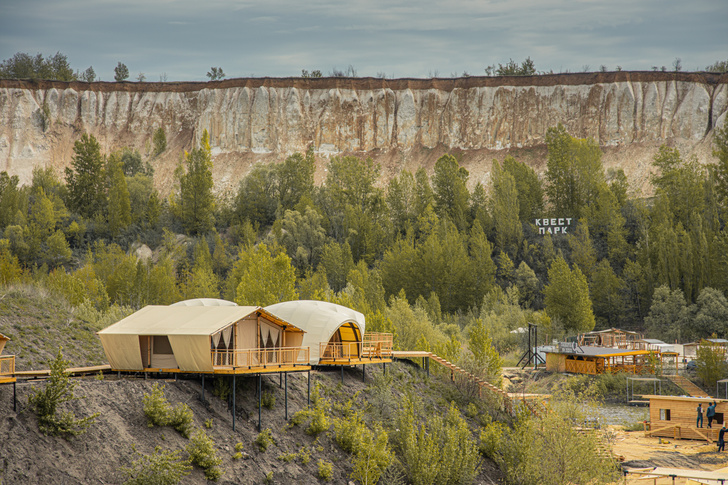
(7, 363)
(336, 334)
(596, 360)
(204, 338)
(611, 337)
(675, 417)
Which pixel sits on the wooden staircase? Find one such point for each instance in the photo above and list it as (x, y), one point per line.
(687, 386)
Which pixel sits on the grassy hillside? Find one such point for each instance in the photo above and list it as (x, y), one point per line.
(38, 322)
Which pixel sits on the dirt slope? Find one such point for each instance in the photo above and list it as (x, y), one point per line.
(26, 456)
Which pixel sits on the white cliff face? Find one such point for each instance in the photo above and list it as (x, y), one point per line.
(251, 122)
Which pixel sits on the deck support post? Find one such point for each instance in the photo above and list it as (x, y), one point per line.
(363, 372)
(280, 380)
(286, 396)
(384, 368)
(342, 374)
(234, 399)
(260, 384)
(15, 399)
(203, 387)
(145, 376)
(308, 402)
(427, 366)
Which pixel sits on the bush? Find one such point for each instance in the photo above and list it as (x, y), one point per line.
(548, 449)
(264, 439)
(325, 470)
(268, 399)
(317, 415)
(57, 391)
(160, 413)
(373, 456)
(203, 454)
(441, 451)
(162, 467)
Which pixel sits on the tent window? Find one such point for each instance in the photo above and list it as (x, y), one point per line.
(162, 345)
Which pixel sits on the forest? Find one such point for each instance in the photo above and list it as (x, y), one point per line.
(445, 267)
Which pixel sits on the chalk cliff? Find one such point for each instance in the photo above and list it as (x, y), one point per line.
(402, 123)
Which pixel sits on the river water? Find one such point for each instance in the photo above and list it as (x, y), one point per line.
(621, 414)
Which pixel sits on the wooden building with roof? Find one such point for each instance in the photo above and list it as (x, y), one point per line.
(570, 357)
(610, 337)
(676, 417)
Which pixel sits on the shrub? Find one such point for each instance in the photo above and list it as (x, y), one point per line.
(57, 391)
(203, 454)
(268, 480)
(160, 413)
(222, 388)
(264, 439)
(325, 470)
(440, 451)
(317, 416)
(161, 467)
(208, 423)
(373, 456)
(268, 399)
(238, 446)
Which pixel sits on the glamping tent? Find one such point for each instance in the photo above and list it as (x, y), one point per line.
(204, 336)
(334, 333)
(7, 363)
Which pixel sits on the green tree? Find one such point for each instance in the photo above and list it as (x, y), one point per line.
(302, 236)
(607, 291)
(680, 182)
(337, 261)
(119, 206)
(566, 297)
(89, 75)
(159, 141)
(582, 250)
(265, 278)
(450, 190)
(256, 200)
(215, 74)
(56, 392)
(668, 318)
(294, 179)
(160, 468)
(709, 315)
(574, 172)
(711, 364)
(528, 186)
(121, 72)
(25, 66)
(85, 178)
(196, 200)
(504, 202)
(720, 151)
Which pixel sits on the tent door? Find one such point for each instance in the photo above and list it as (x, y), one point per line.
(145, 347)
(162, 356)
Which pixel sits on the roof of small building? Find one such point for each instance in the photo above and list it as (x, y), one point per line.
(683, 398)
(184, 320)
(593, 351)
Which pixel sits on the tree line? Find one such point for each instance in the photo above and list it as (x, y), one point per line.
(422, 255)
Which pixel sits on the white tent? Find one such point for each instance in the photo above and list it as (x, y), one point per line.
(320, 320)
(182, 337)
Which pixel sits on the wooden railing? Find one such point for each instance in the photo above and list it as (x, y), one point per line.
(260, 357)
(7, 365)
(373, 346)
(377, 344)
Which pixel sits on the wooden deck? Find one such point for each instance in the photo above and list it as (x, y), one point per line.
(228, 370)
(74, 371)
(375, 348)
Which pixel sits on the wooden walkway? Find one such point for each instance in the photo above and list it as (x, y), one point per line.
(687, 386)
(454, 369)
(74, 371)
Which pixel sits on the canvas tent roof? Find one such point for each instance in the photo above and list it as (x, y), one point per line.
(3, 341)
(188, 328)
(184, 320)
(319, 319)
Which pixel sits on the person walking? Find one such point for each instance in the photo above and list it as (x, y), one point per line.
(711, 414)
(721, 438)
(699, 423)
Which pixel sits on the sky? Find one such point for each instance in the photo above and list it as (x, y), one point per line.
(180, 40)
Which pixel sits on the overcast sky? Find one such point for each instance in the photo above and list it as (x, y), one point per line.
(398, 38)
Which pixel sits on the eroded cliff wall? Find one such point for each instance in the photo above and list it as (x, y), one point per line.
(401, 123)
